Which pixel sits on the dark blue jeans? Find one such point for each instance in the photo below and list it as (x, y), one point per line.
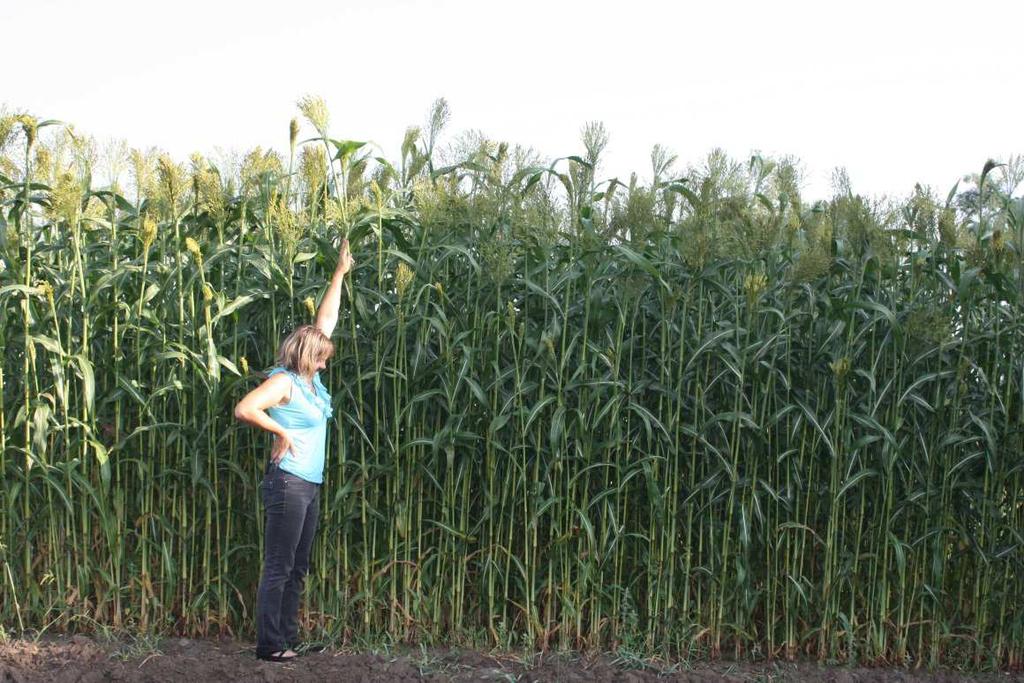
(291, 506)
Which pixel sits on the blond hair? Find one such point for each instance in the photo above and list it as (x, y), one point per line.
(303, 348)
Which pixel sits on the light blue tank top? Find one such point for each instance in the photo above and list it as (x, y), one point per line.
(304, 417)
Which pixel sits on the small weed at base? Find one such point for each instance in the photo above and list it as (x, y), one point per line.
(139, 646)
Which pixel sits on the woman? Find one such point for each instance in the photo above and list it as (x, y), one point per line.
(299, 407)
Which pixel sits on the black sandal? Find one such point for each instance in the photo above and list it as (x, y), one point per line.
(276, 656)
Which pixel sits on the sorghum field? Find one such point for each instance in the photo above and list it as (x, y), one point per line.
(700, 418)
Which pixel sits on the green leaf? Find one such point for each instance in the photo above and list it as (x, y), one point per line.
(345, 148)
(229, 365)
(536, 411)
(47, 343)
(236, 305)
(88, 381)
(853, 481)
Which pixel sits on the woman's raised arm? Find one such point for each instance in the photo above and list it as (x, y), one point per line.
(327, 316)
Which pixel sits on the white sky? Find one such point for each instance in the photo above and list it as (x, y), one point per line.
(895, 91)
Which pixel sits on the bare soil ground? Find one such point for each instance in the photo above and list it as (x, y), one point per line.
(80, 658)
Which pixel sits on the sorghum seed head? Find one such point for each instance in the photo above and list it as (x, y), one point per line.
(45, 289)
(148, 232)
(30, 126)
(841, 367)
(193, 248)
(754, 284)
(314, 109)
(403, 278)
(66, 198)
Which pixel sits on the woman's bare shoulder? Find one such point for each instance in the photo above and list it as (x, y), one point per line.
(279, 384)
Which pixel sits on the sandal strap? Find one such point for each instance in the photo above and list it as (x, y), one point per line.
(278, 656)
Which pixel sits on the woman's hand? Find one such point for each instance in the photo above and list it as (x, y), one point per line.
(282, 444)
(345, 261)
